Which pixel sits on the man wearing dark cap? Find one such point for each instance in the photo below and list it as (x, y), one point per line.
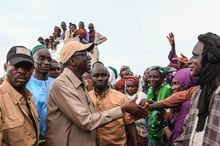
(39, 83)
(19, 122)
(71, 118)
(202, 126)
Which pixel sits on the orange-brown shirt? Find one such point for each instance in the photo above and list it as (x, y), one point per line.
(178, 98)
(19, 121)
(113, 133)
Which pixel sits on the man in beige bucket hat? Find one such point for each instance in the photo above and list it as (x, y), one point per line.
(71, 118)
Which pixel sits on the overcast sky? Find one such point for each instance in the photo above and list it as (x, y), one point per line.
(136, 30)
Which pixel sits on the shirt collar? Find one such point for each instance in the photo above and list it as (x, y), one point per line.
(73, 78)
(14, 94)
(103, 93)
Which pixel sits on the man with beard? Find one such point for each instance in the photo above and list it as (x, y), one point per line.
(71, 117)
(39, 84)
(202, 124)
(19, 124)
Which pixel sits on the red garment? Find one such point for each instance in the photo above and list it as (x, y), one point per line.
(119, 83)
(141, 141)
(82, 33)
(133, 79)
(56, 28)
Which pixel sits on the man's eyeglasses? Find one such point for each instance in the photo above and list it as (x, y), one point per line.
(84, 53)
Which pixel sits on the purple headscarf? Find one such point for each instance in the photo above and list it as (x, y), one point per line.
(185, 78)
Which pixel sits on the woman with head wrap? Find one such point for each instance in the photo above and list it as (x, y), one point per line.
(182, 80)
(132, 86)
(158, 91)
(125, 71)
(113, 74)
(120, 85)
(83, 34)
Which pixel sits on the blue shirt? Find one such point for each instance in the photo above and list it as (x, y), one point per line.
(40, 89)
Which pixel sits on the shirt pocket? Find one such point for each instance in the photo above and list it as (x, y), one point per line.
(14, 136)
(13, 128)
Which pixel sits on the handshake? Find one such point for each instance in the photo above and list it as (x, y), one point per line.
(137, 111)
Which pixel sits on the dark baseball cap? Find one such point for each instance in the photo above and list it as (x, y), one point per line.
(19, 54)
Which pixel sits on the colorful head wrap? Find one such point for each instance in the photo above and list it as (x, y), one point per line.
(119, 83)
(81, 32)
(133, 79)
(185, 78)
(56, 28)
(38, 47)
(160, 69)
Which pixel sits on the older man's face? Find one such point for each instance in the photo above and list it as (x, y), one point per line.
(195, 60)
(42, 60)
(82, 60)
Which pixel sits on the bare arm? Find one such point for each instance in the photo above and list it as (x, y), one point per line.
(100, 39)
(177, 98)
(172, 101)
(131, 134)
(157, 106)
(172, 53)
(172, 42)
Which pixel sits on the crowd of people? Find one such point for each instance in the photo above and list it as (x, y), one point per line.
(78, 101)
(62, 35)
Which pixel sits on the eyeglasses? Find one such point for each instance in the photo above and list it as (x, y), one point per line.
(83, 53)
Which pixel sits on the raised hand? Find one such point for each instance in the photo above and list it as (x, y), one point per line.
(171, 39)
(183, 59)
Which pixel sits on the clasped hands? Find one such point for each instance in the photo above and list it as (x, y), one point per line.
(137, 111)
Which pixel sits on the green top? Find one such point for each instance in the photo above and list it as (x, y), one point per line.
(155, 128)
